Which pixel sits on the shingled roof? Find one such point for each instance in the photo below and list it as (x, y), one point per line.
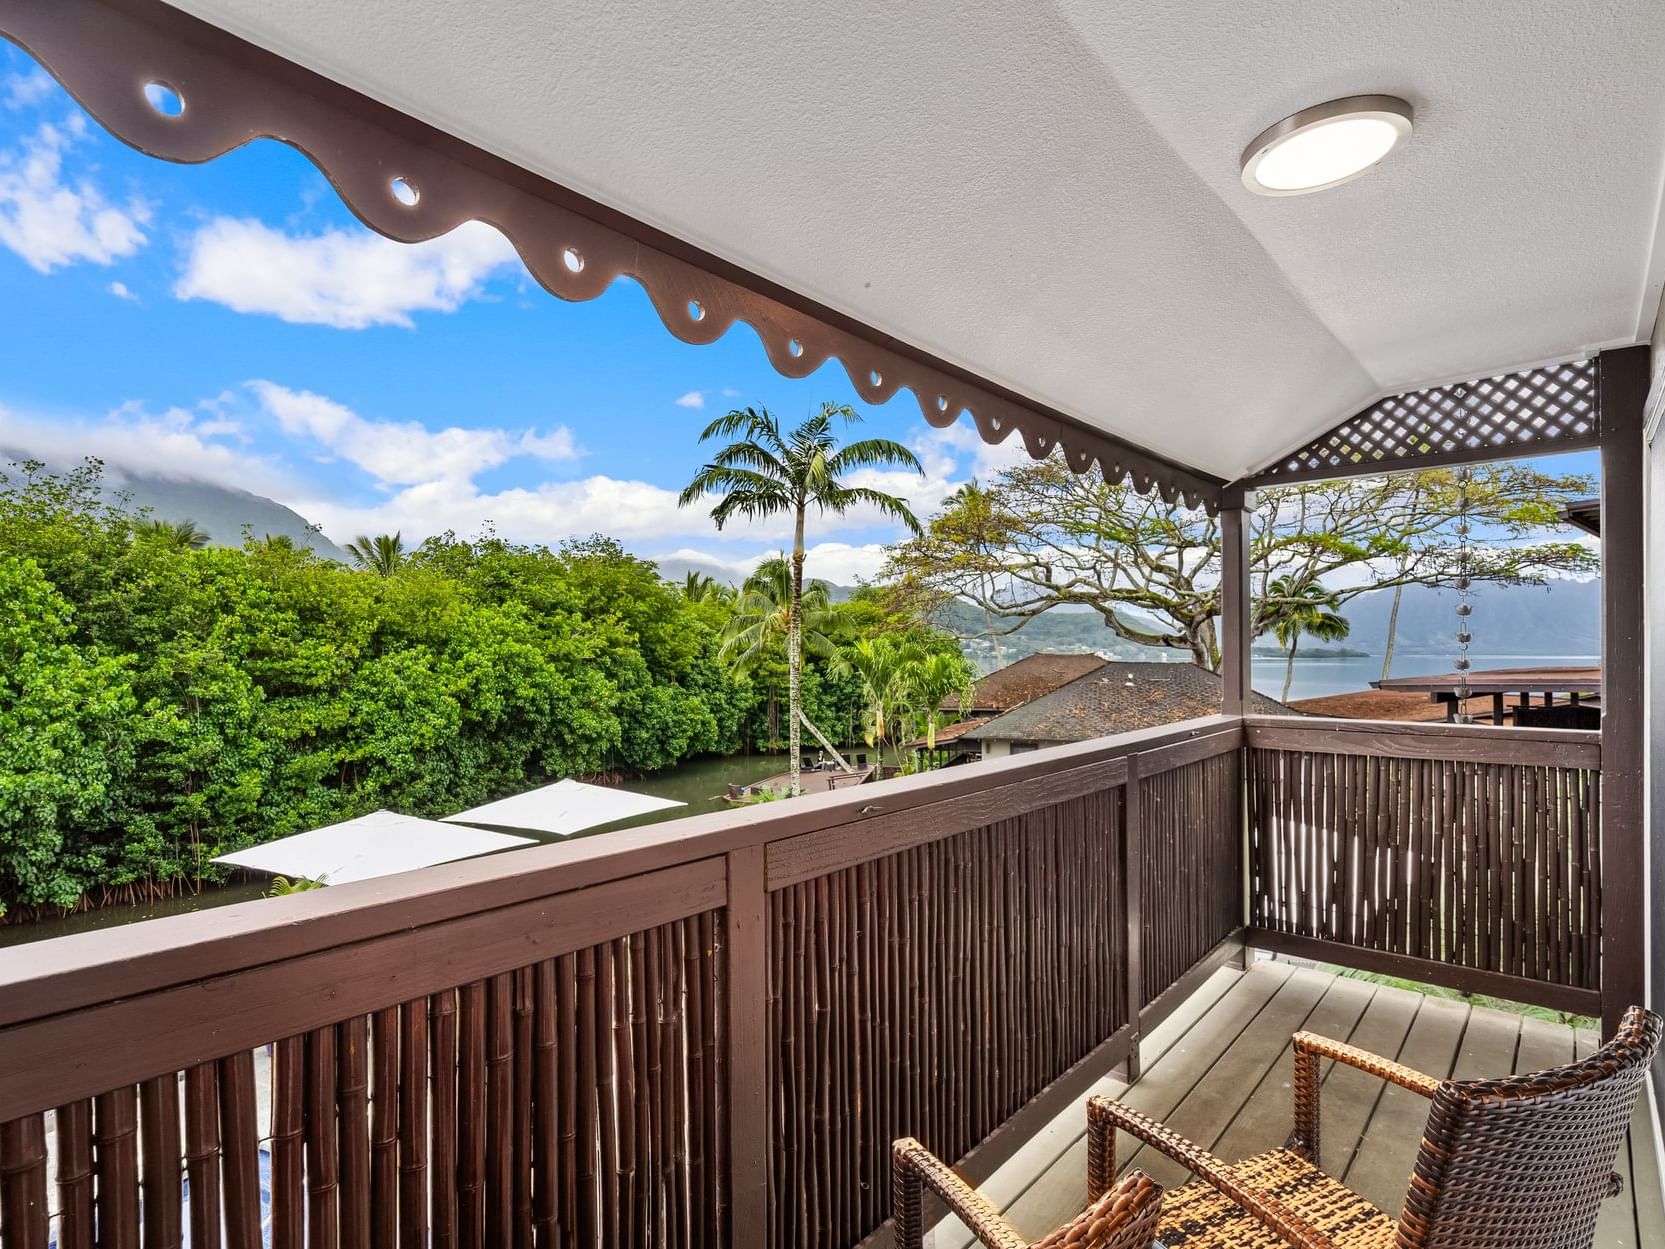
(1029, 678)
(1116, 697)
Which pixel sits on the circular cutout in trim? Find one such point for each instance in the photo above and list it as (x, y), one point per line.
(404, 190)
(164, 99)
(696, 310)
(795, 347)
(572, 259)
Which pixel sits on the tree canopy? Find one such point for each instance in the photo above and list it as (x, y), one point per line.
(163, 703)
(1040, 536)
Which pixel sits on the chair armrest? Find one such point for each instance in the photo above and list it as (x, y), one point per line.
(1123, 1218)
(914, 1168)
(1105, 1114)
(1309, 1048)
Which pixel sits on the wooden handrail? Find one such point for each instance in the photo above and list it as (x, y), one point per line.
(1474, 743)
(85, 969)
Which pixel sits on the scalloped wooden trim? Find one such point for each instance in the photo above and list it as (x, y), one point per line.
(104, 52)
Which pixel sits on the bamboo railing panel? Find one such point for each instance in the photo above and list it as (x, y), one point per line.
(692, 1037)
(1471, 864)
(934, 992)
(573, 1103)
(1191, 866)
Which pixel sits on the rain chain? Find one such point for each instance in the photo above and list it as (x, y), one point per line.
(1465, 589)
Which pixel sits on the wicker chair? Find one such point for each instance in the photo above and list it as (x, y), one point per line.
(1122, 1216)
(1517, 1163)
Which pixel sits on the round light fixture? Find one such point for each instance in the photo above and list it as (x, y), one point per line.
(1325, 145)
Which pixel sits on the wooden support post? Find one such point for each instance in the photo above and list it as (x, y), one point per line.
(1621, 388)
(746, 945)
(1235, 604)
(1497, 708)
(1132, 907)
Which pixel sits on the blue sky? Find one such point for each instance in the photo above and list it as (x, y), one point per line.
(232, 321)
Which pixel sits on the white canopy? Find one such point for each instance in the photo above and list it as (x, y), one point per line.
(378, 844)
(564, 808)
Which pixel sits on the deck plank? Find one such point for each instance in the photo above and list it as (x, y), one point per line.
(1209, 1106)
(1042, 1151)
(1646, 1194)
(1062, 1190)
(1381, 1168)
(1616, 1225)
(1218, 1071)
(1349, 1096)
(1264, 1120)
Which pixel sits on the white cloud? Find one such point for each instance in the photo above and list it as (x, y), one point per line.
(349, 280)
(632, 511)
(27, 89)
(51, 222)
(121, 291)
(730, 393)
(965, 446)
(405, 453)
(178, 443)
(693, 399)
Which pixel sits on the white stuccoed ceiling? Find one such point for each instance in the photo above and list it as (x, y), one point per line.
(1047, 193)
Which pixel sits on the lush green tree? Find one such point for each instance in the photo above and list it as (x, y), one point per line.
(62, 715)
(765, 473)
(1298, 608)
(162, 704)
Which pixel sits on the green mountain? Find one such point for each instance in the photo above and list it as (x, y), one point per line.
(222, 512)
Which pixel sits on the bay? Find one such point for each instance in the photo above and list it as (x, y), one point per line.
(1318, 676)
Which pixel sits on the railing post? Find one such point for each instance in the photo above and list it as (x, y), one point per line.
(1621, 389)
(1133, 858)
(746, 945)
(1235, 606)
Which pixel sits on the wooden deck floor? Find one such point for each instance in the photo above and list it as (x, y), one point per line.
(1218, 1070)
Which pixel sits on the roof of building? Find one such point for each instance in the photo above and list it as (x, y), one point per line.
(1562, 680)
(1406, 706)
(1116, 697)
(1583, 514)
(1024, 681)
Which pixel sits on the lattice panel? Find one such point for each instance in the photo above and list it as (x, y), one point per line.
(1538, 410)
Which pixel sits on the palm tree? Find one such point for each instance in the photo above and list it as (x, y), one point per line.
(878, 663)
(1303, 607)
(184, 534)
(762, 616)
(765, 473)
(698, 586)
(927, 680)
(381, 555)
(764, 612)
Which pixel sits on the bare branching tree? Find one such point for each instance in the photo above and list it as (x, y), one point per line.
(1040, 537)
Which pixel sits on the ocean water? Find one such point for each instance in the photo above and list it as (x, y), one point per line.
(1319, 676)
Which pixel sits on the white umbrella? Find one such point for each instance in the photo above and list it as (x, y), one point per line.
(378, 844)
(564, 808)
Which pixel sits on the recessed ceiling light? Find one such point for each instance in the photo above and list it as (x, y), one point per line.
(1325, 145)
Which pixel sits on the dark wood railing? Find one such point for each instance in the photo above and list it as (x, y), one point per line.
(697, 1034)
(707, 1032)
(1460, 856)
